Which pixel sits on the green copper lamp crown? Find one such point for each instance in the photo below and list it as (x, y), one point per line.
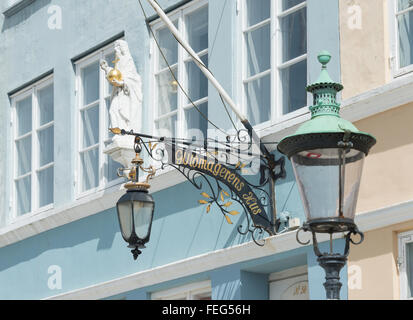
(326, 128)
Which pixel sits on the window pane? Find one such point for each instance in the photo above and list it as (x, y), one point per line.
(258, 50)
(90, 81)
(167, 92)
(286, 4)
(24, 116)
(257, 11)
(196, 124)
(90, 169)
(46, 142)
(197, 26)
(24, 155)
(45, 186)
(404, 4)
(197, 82)
(409, 269)
(294, 82)
(405, 25)
(169, 47)
(258, 95)
(109, 134)
(294, 34)
(90, 125)
(109, 59)
(167, 127)
(23, 197)
(45, 99)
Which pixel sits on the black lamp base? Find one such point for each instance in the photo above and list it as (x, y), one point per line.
(332, 265)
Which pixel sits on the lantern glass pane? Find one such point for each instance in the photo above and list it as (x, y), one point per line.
(319, 174)
(125, 219)
(142, 214)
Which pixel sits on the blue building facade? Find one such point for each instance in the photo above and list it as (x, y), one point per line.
(57, 242)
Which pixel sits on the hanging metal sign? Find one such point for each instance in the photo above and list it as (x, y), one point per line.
(224, 164)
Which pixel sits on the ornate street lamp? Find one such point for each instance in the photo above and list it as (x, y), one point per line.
(327, 154)
(135, 208)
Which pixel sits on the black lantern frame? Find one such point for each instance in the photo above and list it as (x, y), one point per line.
(131, 197)
(137, 193)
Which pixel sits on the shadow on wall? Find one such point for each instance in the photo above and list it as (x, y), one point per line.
(24, 14)
(182, 228)
(68, 236)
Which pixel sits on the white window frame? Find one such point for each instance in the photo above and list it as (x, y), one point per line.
(404, 238)
(277, 65)
(192, 291)
(394, 41)
(183, 57)
(16, 97)
(103, 119)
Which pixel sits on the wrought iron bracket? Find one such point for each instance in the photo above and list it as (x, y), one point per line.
(221, 194)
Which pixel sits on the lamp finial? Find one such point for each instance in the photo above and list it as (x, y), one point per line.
(324, 58)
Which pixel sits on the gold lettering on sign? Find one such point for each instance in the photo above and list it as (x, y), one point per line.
(217, 170)
(178, 156)
(251, 201)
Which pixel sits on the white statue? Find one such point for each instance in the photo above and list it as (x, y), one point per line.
(126, 99)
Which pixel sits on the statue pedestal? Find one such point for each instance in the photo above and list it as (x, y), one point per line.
(121, 150)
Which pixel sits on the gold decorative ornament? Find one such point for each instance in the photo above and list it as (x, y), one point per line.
(115, 130)
(115, 76)
(137, 162)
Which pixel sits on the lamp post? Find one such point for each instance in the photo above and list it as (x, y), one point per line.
(135, 208)
(327, 154)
